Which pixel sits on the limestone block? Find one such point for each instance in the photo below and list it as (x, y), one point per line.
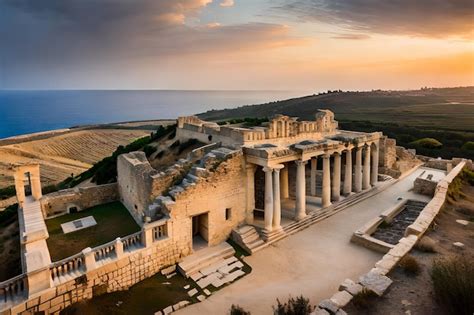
(388, 262)
(168, 310)
(207, 292)
(341, 312)
(32, 302)
(328, 305)
(168, 270)
(341, 298)
(17, 309)
(48, 295)
(192, 292)
(375, 282)
(354, 289)
(345, 284)
(201, 298)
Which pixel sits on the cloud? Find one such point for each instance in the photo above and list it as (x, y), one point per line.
(76, 37)
(351, 36)
(424, 18)
(227, 3)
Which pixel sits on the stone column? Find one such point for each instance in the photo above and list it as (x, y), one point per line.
(314, 162)
(285, 189)
(366, 175)
(336, 177)
(348, 173)
(326, 197)
(276, 199)
(118, 248)
(300, 190)
(358, 170)
(268, 198)
(250, 168)
(374, 175)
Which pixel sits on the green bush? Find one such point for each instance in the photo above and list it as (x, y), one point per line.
(410, 265)
(298, 306)
(469, 146)
(7, 192)
(8, 215)
(149, 150)
(429, 143)
(453, 282)
(237, 310)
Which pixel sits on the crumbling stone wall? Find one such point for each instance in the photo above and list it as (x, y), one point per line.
(116, 276)
(222, 189)
(81, 198)
(424, 186)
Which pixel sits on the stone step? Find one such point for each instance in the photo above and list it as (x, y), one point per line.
(204, 258)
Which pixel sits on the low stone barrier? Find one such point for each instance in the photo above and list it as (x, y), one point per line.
(376, 279)
(110, 267)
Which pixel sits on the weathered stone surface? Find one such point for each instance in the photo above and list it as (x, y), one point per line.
(345, 284)
(341, 298)
(192, 292)
(354, 289)
(168, 270)
(319, 311)
(328, 305)
(458, 245)
(201, 298)
(375, 282)
(168, 310)
(463, 222)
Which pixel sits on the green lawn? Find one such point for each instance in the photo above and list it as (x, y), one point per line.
(113, 220)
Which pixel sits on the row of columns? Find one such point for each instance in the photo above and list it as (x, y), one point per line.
(365, 175)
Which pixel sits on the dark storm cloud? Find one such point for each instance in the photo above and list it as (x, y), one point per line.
(427, 18)
(65, 37)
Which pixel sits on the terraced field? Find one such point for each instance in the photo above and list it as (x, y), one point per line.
(61, 155)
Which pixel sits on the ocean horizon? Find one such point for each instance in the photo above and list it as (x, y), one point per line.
(29, 111)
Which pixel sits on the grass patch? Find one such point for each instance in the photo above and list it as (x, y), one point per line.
(453, 282)
(410, 265)
(364, 299)
(8, 215)
(113, 220)
(145, 297)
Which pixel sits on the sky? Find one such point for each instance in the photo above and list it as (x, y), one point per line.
(236, 44)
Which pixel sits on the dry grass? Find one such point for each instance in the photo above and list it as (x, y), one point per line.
(62, 155)
(426, 245)
(410, 265)
(363, 299)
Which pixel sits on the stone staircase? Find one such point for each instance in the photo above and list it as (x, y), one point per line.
(312, 218)
(204, 258)
(247, 237)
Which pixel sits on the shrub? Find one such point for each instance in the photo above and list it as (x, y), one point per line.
(149, 150)
(453, 282)
(7, 192)
(237, 310)
(8, 215)
(426, 245)
(363, 299)
(429, 143)
(468, 146)
(298, 306)
(410, 265)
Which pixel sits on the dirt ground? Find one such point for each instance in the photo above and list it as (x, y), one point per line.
(10, 250)
(414, 294)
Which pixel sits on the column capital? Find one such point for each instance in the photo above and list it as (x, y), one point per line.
(278, 167)
(326, 156)
(250, 166)
(267, 169)
(301, 162)
(359, 147)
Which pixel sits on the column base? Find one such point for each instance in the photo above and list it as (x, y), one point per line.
(326, 205)
(268, 235)
(300, 217)
(336, 199)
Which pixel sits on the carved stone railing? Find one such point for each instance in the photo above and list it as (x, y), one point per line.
(104, 251)
(160, 232)
(132, 242)
(71, 266)
(13, 289)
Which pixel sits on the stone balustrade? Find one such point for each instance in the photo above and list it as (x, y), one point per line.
(70, 266)
(132, 242)
(13, 288)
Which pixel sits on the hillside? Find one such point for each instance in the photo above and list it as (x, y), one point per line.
(71, 152)
(448, 108)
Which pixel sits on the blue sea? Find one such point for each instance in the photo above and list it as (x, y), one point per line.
(23, 112)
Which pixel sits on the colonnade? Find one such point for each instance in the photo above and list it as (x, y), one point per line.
(359, 177)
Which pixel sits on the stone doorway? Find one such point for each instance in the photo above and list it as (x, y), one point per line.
(200, 231)
(27, 184)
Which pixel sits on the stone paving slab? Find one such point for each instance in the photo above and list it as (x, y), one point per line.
(79, 224)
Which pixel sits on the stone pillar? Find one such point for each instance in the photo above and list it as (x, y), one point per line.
(118, 247)
(285, 186)
(36, 184)
(336, 177)
(147, 236)
(300, 190)
(268, 199)
(374, 175)
(89, 259)
(326, 197)
(276, 200)
(250, 169)
(314, 162)
(358, 170)
(366, 174)
(348, 173)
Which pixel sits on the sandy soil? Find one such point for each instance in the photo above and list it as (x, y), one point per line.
(414, 294)
(65, 154)
(312, 262)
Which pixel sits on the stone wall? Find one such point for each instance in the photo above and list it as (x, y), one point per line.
(424, 186)
(80, 197)
(222, 189)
